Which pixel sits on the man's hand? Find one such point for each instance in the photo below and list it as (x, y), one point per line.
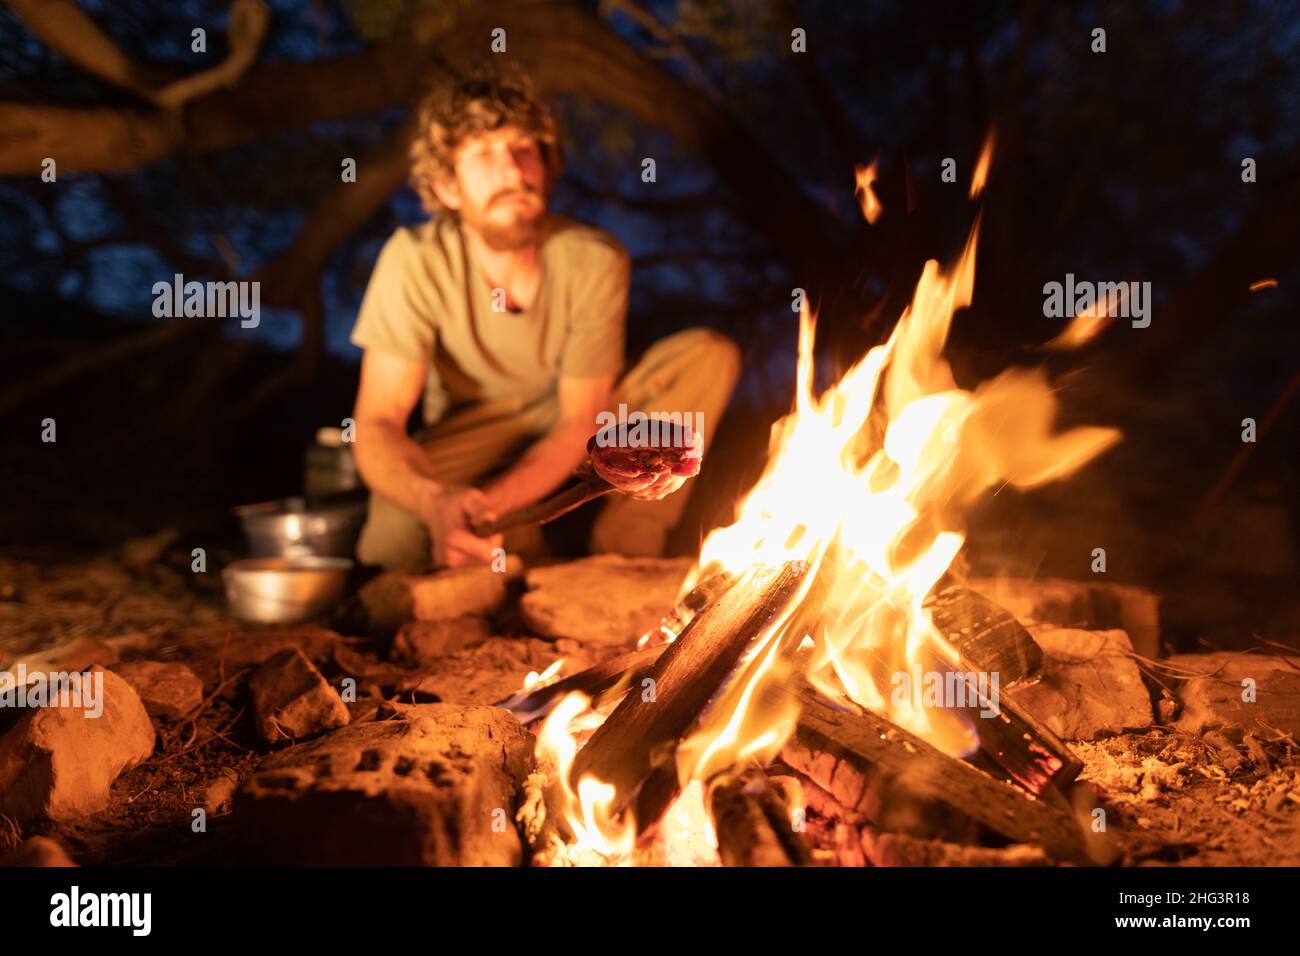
(449, 518)
(646, 473)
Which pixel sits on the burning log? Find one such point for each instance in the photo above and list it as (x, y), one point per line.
(607, 676)
(986, 635)
(622, 751)
(618, 672)
(1014, 745)
(892, 777)
(987, 638)
(754, 824)
(631, 749)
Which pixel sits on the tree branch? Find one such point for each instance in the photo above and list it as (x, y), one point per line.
(292, 275)
(63, 26)
(248, 21)
(567, 50)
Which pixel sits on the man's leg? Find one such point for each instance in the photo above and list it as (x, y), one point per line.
(461, 449)
(692, 374)
(392, 537)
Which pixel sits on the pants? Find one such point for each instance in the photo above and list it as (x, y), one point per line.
(693, 372)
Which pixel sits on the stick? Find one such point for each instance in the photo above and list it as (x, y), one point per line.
(623, 670)
(617, 460)
(626, 668)
(588, 488)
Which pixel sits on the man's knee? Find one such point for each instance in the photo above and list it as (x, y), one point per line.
(719, 354)
(701, 343)
(713, 360)
(705, 357)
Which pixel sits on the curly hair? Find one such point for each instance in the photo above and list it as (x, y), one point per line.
(484, 101)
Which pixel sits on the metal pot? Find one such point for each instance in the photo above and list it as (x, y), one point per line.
(290, 528)
(331, 468)
(280, 590)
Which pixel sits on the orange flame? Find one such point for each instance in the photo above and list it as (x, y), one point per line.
(982, 166)
(866, 176)
(1088, 324)
(599, 837)
(869, 483)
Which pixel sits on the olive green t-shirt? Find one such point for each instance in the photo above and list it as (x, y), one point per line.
(427, 302)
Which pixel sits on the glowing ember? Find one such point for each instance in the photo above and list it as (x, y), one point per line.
(686, 831)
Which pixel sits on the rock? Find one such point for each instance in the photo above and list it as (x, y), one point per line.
(495, 669)
(1211, 694)
(215, 651)
(167, 689)
(370, 673)
(138, 554)
(418, 641)
(1090, 684)
(364, 709)
(291, 700)
(606, 599)
(1093, 605)
(435, 788)
(37, 851)
(60, 763)
(393, 598)
(218, 791)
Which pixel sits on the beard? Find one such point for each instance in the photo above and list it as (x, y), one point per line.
(521, 230)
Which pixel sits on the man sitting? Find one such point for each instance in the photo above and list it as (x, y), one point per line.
(509, 320)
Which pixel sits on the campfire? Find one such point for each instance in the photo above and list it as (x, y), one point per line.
(823, 683)
(823, 631)
(545, 435)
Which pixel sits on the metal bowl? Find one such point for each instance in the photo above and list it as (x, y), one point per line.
(291, 528)
(279, 590)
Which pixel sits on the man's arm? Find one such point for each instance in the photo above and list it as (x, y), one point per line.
(551, 459)
(395, 467)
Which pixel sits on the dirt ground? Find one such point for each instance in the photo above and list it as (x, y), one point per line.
(1175, 798)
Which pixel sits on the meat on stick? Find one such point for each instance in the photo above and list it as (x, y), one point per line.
(616, 461)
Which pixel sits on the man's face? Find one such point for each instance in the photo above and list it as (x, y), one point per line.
(500, 187)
